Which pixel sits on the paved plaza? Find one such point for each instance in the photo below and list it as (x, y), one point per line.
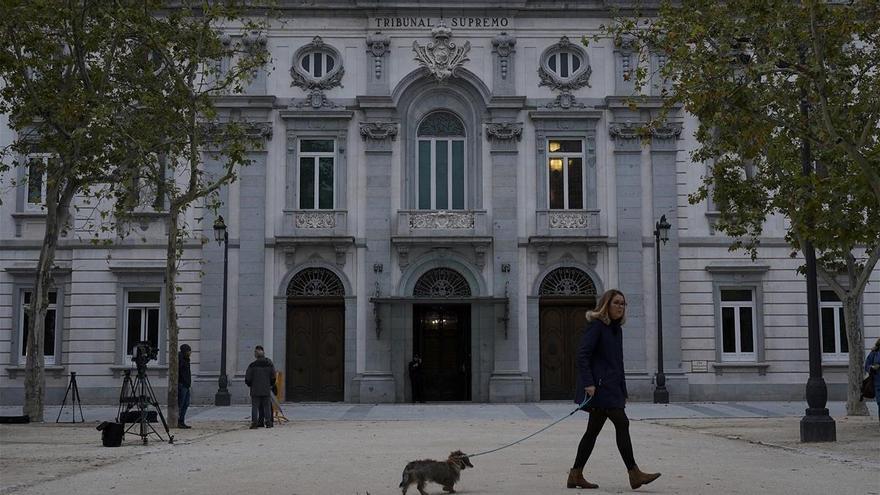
(730, 448)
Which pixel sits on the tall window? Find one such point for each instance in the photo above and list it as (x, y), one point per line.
(738, 325)
(441, 166)
(49, 331)
(141, 319)
(36, 182)
(566, 174)
(834, 345)
(316, 163)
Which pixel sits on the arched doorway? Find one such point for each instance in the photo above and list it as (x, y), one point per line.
(566, 294)
(442, 335)
(315, 337)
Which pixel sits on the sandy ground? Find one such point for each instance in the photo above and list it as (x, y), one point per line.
(728, 456)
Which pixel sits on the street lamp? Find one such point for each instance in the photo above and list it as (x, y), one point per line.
(661, 395)
(221, 235)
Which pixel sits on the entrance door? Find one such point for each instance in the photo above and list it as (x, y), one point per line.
(315, 352)
(442, 337)
(561, 328)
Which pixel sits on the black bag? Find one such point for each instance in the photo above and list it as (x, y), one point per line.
(868, 386)
(111, 433)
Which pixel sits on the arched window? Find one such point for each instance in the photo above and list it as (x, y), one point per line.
(318, 63)
(442, 282)
(567, 281)
(315, 282)
(440, 174)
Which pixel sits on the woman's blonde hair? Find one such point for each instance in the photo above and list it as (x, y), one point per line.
(604, 305)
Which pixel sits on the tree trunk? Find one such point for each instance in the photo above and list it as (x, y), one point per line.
(856, 342)
(170, 298)
(35, 376)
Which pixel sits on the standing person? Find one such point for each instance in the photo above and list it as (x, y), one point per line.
(415, 378)
(601, 376)
(872, 365)
(184, 384)
(260, 377)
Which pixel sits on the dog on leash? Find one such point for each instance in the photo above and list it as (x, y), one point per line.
(444, 473)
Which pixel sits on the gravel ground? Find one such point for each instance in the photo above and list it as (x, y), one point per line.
(366, 457)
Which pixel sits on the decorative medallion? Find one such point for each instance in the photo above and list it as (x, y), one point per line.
(379, 131)
(504, 131)
(442, 282)
(564, 67)
(567, 281)
(315, 282)
(442, 57)
(316, 68)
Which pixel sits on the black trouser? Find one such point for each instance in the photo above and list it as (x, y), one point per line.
(594, 426)
(261, 410)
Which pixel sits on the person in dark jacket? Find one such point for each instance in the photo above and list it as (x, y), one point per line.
(260, 377)
(601, 376)
(415, 379)
(184, 384)
(872, 365)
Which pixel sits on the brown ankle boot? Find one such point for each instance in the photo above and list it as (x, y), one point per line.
(576, 480)
(637, 478)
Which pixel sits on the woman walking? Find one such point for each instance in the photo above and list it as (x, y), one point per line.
(601, 376)
(872, 365)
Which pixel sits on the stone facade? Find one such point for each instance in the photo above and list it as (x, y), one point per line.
(341, 187)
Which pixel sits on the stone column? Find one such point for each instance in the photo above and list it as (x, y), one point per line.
(251, 259)
(627, 166)
(506, 382)
(665, 194)
(377, 383)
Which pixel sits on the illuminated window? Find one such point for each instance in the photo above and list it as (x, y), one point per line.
(566, 174)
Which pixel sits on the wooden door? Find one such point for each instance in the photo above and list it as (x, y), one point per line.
(561, 327)
(315, 352)
(442, 339)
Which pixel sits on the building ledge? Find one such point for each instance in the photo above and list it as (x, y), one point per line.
(761, 367)
(55, 370)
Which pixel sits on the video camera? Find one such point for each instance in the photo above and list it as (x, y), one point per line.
(143, 353)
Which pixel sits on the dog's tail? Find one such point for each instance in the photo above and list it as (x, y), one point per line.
(404, 482)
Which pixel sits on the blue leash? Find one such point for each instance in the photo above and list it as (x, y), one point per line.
(578, 408)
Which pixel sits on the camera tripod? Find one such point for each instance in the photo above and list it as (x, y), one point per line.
(135, 403)
(73, 392)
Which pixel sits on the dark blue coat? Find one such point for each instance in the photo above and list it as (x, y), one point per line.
(600, 363)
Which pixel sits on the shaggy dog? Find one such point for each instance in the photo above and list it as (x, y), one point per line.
(445, 473)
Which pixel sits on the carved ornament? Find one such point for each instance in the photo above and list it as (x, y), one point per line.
(504, 131)
(379, 131)
(442, 57)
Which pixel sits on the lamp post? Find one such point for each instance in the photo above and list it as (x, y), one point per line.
(816, 424)
(661, 395)
(221, 235)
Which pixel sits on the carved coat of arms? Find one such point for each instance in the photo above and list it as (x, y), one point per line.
(442, 57)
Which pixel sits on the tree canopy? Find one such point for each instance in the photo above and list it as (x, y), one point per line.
(763, 78)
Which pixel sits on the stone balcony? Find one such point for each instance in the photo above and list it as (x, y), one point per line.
(315, 223)
(442, 223)
(567, 223)
(442, 228)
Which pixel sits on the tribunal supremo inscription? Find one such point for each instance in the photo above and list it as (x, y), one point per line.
(430, 22)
